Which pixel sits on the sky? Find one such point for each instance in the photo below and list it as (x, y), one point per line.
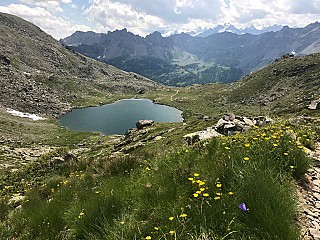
(61, 18)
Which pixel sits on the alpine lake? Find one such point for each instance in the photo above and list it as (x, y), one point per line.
(118, 117)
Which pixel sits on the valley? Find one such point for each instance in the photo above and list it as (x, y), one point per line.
(181, 59)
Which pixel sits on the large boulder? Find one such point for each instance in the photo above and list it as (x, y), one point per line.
(314, 105)
(4, 60)
(144, 123)
(209, 133)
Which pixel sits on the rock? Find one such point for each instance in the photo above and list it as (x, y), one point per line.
(221, 123)
(70, 156)
(314, 105)
(16, 198)
(56, 160)
(206, 118)
(229, 117)
(4, 60)
(157, 138)
(239, 126)
(317, 196)
(192, 138)
(307, 211)
(140, 91)
(229, 125)
(144, 123)
(314, 233)
(248, 122)
(28, 75)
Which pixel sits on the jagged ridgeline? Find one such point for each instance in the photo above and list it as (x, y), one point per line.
(181, 59)
(39, 75)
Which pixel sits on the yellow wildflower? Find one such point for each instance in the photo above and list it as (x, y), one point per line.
(183, 215)
(230, 193)
(247, 145)
(171, 218)
(196, 174)
(275, 145)
(172, 232)
(227, 148)
(190, 179)
(198, 192)
(246, 158)
(156, 228)
(219, 194)
(292, 167)
(218, 185)
(286, 154)
(81, 214)
(202, 189)
(195, 195)
(217, 198)
(201, 183)
(148, 237)
(206, 194)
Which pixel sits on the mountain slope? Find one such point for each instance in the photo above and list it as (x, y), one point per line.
(184, 60)
(39, 75)
(288, 85)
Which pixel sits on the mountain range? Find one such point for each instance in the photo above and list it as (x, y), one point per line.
(39, 75)
(182, 59)
(230, 28)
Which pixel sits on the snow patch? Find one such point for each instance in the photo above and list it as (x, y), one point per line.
(24, 115)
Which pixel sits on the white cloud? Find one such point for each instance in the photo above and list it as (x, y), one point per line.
(145, 16)
(56, 26)
(49, 5)
(265, 13)
(115, 15)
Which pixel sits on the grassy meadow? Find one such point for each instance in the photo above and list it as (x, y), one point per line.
(238, 187)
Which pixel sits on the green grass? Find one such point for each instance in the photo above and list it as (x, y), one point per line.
(186, 194)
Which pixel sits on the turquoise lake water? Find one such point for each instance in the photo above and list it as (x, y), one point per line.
(119, 116)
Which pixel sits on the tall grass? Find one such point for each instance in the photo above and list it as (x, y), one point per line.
(240, 187)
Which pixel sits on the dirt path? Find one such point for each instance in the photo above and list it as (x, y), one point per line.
(174, 95)
(309, 198)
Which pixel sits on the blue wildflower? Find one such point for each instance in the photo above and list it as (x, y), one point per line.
(243, 207)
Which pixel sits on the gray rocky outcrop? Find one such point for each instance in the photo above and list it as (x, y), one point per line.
(192, 138)
(144, 123)
(228, 125)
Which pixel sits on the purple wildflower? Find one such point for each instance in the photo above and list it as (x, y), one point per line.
(243, 207)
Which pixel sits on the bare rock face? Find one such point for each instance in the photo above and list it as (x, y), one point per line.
(144, 123)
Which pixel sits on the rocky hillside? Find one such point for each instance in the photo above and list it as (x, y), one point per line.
(184, 60)
(39, 75)
(289, 84)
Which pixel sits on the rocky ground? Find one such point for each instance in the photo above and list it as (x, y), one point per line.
(19, 156)
(309, 195)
